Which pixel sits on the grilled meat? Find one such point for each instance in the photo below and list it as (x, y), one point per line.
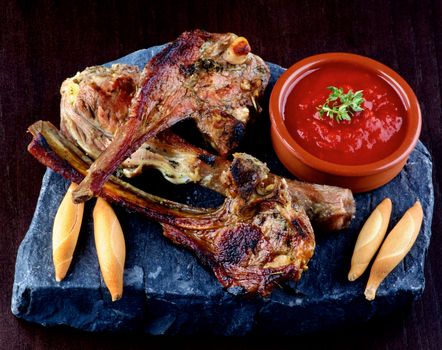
(95, 103)
(266, 239)
(212, 78)
(257, 239)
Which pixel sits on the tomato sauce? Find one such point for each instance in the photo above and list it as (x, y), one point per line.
(370, 135)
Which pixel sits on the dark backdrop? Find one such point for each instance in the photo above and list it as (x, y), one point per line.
(43, 42)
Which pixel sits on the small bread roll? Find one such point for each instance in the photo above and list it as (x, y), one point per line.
(397, 244)
(111, 248)
(370, 238)
(67, 224)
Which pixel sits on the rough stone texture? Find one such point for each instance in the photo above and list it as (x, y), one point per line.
(167, 291)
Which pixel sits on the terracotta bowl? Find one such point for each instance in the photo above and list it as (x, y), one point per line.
(306, 166)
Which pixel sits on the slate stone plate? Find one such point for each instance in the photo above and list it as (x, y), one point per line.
(167, 291)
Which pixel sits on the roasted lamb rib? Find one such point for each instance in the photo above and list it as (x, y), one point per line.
(95, 103)
(211, 78)
(256, 240)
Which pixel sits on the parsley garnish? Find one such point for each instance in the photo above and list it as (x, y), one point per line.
(343, 109)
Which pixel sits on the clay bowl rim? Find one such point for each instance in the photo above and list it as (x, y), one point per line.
(283, 87)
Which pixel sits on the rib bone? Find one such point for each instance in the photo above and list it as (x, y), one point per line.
(257, 239)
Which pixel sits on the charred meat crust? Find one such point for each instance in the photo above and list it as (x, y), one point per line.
(234, 245)
(299, 227)
(237, 135)
(245, 178)
(208, 159)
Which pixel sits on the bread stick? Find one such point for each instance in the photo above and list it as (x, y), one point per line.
(111, 248)
(67, 224)
(397, 244)
(370, 238)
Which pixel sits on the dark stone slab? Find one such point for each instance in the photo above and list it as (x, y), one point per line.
(167, 291)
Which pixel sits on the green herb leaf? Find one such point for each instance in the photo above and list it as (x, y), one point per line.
(348, 104)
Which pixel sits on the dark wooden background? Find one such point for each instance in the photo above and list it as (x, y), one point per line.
(43, 42)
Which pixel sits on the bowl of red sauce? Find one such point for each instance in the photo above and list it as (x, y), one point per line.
(344, 120)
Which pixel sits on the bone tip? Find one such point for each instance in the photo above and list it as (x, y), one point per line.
(36, 127)
(241, 46)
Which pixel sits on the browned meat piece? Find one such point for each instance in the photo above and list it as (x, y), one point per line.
(95, 102)
(257, 239)
(273, 239)
(91, 99)
(193, 77)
